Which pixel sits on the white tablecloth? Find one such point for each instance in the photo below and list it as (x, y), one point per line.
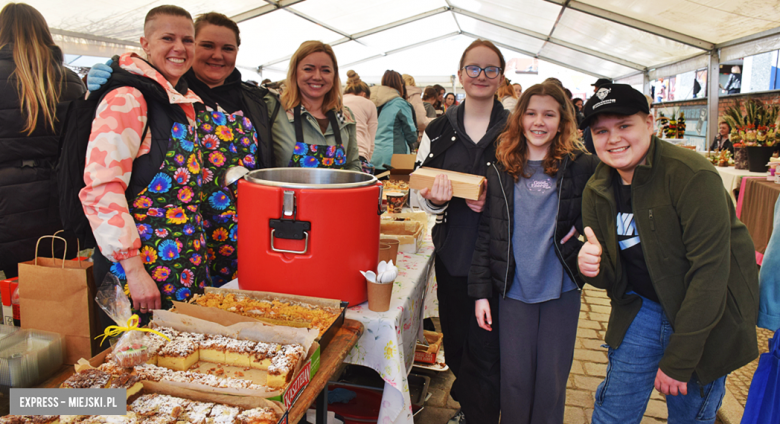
(733, 177)
(388, 342)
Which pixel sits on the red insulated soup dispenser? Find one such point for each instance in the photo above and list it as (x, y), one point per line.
(308, 232)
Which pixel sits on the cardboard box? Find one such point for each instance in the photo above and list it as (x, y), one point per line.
(403, 165)
(260, 295)
(421, 217)
(7, 288)
(408, 233)
(304, 371)
(427, 354)
(465, 186)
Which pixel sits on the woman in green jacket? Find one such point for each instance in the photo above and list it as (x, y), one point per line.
(315, 130)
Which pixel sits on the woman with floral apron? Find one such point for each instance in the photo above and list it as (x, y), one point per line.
(315, 130)
(149, 232)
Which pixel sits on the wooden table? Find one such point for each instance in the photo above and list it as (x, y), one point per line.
(317, 390)
(758, 207)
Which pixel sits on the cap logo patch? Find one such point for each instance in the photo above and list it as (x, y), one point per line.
(602, 93)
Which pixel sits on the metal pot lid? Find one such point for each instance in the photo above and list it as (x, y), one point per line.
(310, 178)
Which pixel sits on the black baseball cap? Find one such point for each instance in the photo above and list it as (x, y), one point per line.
(601, 81)
(618, 99)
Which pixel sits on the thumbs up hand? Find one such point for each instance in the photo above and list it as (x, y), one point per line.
(590, 255)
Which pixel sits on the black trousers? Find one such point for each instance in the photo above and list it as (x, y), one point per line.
(472, 353)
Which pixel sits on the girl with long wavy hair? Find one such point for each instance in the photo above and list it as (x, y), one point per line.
(35, 90)
(526, 253)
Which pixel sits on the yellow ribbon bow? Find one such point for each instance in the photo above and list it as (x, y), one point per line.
(132, 325)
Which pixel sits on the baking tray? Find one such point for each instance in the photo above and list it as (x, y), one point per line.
(323, 340)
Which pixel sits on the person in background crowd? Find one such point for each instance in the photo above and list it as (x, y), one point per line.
(460, 141)
(679, 267)
(439, 105)
(396, 132)
(506, 95)
(721, 140)
(450, 100)
(233, 127)
(134, 204)
(587, 138)
(429, 98)
(414, 97)
(315, 130)
(518, 89)
(35, 90)
(734, 83)
(526, 253)
(578, 109)
(266, 81)
(356, 98)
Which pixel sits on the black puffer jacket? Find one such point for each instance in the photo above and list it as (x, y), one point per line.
(493, 266)
(28, 189)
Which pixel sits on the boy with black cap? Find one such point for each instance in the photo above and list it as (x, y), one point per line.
(663, 239)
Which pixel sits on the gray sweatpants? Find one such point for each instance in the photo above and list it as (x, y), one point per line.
(537, 349)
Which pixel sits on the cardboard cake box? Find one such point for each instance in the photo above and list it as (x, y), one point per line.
(427, 354)
(421, 217)
(230, 317)
(306, 368)
(408, 233)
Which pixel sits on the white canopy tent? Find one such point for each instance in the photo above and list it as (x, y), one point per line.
(628, 40)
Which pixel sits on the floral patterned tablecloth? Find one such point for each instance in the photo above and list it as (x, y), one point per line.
(388, 342)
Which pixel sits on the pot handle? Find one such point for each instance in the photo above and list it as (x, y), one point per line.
(379, 207)
(297, 252)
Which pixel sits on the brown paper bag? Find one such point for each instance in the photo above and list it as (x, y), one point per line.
(58, 295)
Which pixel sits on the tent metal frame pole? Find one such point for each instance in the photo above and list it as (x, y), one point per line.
(749, 38)
(391, 25)
(91, 37)
(400, 49)
(646, 83)
(372, 31)
(551, 40)
(455, 17)
(713, 97)
(537, 56)
(262, 10)
(636, 24)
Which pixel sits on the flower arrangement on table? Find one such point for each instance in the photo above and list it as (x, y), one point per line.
(756, 127)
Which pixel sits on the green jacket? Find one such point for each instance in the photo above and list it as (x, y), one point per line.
(283, 133)
(700, 258)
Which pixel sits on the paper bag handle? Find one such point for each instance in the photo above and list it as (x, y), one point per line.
(78, 246)
(52, 250)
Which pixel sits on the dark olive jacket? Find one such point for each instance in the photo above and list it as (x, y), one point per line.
(493, 265)
(700, 258)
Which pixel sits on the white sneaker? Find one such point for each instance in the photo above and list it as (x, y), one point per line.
(458, 418)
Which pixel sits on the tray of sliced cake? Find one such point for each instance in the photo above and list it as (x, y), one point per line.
(218, 358)
(155, 403)
(324, 315)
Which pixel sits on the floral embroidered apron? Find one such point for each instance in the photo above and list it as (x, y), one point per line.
(317, 155)
(228, 140)
(168, 219)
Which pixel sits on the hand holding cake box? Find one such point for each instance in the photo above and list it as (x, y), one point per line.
(465, 186)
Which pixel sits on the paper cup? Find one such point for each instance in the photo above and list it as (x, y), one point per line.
(379, 296)
(395, 202)
(393, 246)
(386, 252)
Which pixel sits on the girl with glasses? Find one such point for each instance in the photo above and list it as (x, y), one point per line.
(460, 141)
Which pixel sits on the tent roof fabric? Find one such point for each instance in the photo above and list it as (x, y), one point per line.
(609, 38)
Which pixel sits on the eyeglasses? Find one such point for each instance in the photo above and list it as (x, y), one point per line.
(491, 72)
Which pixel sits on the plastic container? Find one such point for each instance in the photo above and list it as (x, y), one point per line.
(7, 330)
(308, 232)
(363, 408)
(28, 357)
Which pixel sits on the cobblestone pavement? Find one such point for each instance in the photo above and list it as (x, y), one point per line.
(738, 382)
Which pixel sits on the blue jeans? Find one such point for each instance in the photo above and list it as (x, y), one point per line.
(623, 395)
